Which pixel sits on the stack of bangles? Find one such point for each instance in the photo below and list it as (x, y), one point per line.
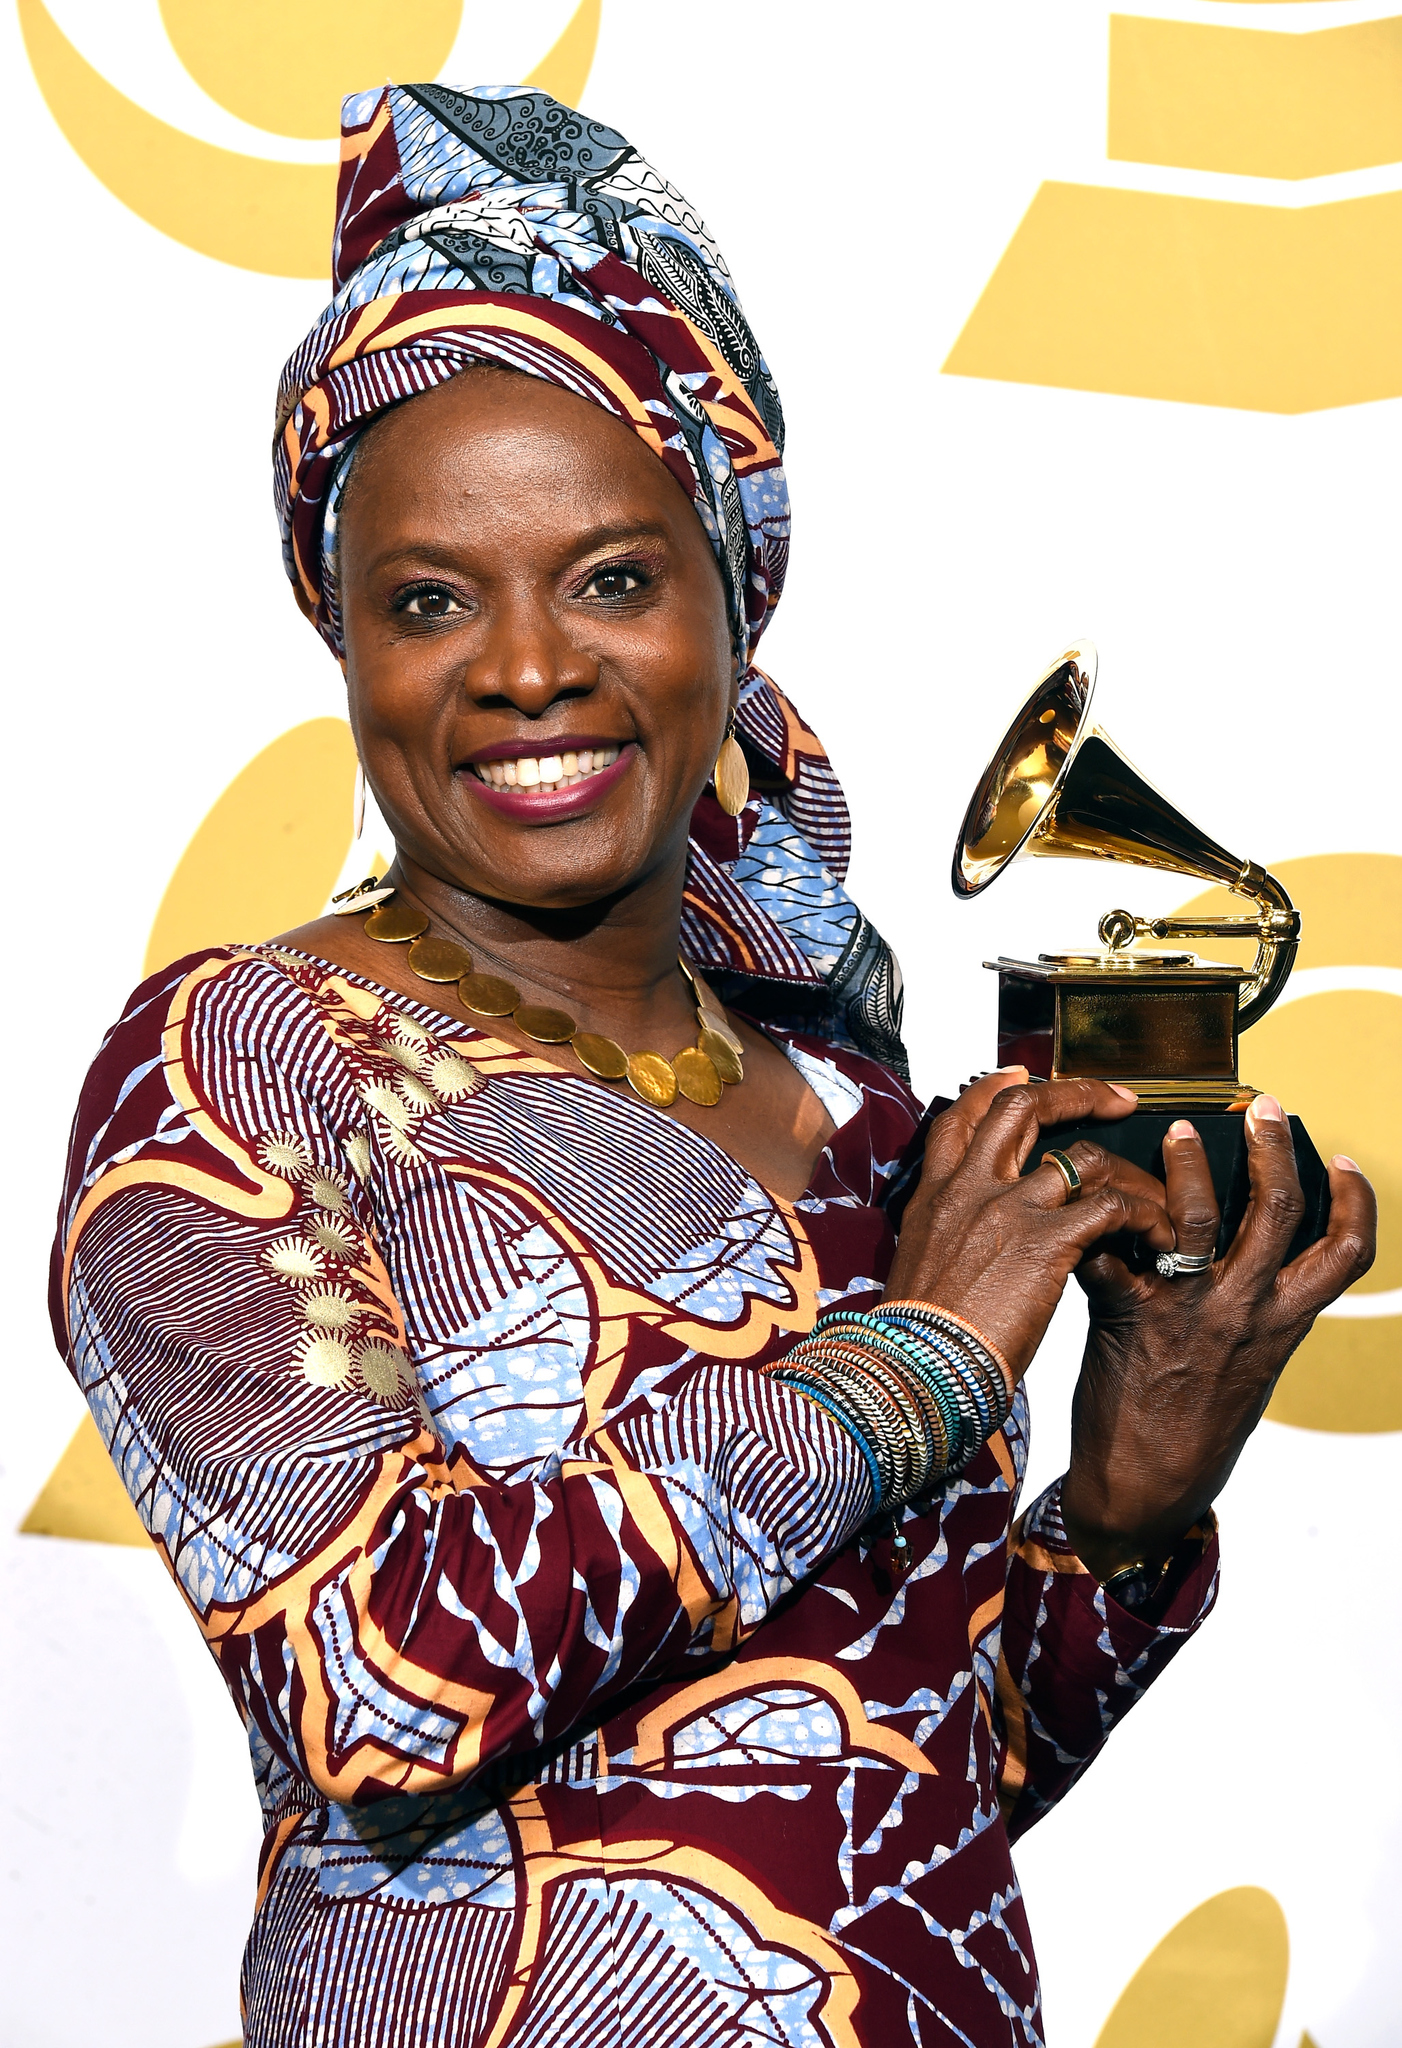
(920, 1390)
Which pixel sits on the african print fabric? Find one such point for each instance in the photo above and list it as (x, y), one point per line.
(582, 1698)
(497, 226)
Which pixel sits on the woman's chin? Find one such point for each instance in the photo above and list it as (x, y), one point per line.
(590, 873)
(553, 862)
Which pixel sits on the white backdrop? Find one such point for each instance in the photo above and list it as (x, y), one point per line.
(864, 169)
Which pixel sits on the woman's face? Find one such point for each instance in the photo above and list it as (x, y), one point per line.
(524, 584)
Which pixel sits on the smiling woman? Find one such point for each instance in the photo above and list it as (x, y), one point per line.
(578, 1392)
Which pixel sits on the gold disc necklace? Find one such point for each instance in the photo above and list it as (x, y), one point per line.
(700, 1072)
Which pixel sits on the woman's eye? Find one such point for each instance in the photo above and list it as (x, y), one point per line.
(617, 582)
(430, 601)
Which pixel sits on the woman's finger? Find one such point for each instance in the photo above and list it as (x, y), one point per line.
(1343, 1254)
(1108, 1284)
(1017, 1118)
(1047, 1186)
(952, 1131)
(1192, 1199)
(1108, 1210)
(1276, 1205)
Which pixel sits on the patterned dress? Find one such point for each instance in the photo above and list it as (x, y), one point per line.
(582, 1699)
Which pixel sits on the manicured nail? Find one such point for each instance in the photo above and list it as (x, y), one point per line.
(1349, 1165)
(1181, 1129)
(1128, 1093)
(1011, 1070)
(1264, 1109)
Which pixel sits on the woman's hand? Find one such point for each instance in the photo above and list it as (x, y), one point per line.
(1178, 1372)
(997, 1249)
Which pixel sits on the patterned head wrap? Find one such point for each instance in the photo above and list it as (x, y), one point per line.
(497, 226)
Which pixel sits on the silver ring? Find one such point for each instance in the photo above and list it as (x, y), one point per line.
(1169, 1263)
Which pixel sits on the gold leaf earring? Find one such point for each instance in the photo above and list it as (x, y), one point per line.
(732, 774)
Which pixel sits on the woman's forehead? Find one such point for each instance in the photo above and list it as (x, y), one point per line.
(462, 417)
(494, 448)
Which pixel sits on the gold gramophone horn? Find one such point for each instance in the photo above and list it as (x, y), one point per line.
(1058, 785)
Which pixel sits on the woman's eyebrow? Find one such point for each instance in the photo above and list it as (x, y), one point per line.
(619, 531)
(443, 554)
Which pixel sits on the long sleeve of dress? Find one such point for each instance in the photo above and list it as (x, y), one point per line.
(392, 1614)
(1072, 1661)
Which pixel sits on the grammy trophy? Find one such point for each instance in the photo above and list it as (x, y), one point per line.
(1161, 1022)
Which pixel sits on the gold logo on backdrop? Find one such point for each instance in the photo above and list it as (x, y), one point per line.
(281, 65)
(1254, 101)
(1283, 308)
(287, 74)
(268, 854)
(1216, 1980)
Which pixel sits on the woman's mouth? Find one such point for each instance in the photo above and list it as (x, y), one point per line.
(542, 773)
(553, 784)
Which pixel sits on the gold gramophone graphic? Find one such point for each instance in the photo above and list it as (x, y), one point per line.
(1163, 1023)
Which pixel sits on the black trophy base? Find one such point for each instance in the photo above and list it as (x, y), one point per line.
(1140, 1137)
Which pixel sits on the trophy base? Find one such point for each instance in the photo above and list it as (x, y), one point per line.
(1183, 1095)
(1139, 1138)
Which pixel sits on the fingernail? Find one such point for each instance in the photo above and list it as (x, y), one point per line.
(1181, 1129)
(1264, 1109)
(1011, 1070)
(1349, 1165)
(1128, 1093)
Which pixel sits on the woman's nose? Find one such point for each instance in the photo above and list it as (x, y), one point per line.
(528, 660)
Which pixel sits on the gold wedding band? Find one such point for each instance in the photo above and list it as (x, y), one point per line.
(1066, 1167)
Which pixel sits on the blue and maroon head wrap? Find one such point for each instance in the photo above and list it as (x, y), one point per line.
(497, 226)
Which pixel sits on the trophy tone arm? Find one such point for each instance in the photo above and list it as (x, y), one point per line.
(1275, 928)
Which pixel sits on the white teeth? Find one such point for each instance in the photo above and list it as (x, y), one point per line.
(546, 772)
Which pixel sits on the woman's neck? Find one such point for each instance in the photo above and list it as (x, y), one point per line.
(613, 961)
